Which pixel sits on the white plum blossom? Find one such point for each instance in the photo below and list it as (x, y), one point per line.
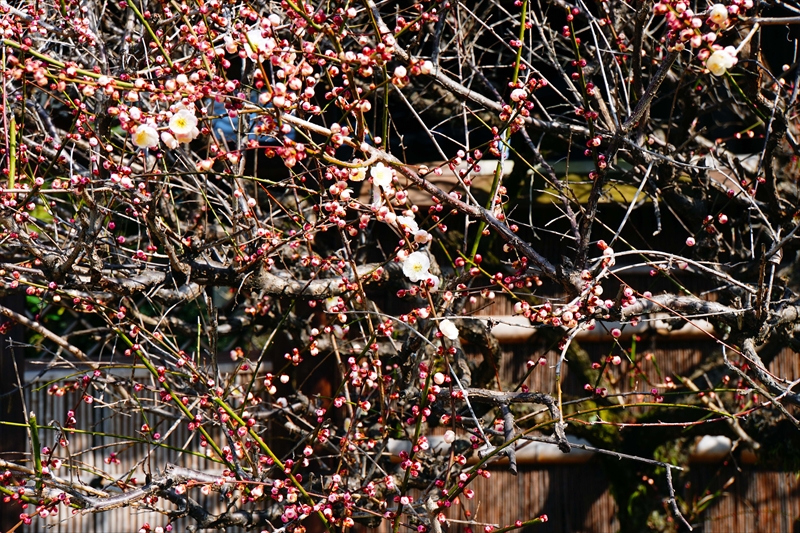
(519, 94)
(189, 137)
(358, 174)
(169, 140)
(449, 436)
(183, 122)
(332, 303)
(257, 44)
(407, 223)
(718, 14)
(432, 282)
(145, 136)
(381, 175)
(426, 67)
(448, 329)
(608, 257)
(416, 266)
(721, 61)
(230, 45)
(421, 236)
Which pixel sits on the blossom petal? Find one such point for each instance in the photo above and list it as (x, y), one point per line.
(448, 329)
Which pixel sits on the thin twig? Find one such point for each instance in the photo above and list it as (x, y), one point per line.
(673, 503)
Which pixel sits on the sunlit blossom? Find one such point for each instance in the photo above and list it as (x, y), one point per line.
(408, 223)
(145, 136)
(519, 94)
(230, 45)
(718, 14)
(183, 122)
(448, 329)
(721, 61)
(358, 174)
(257, 44)
(338, 331)
(189, 137)
(421, 236)
(381, 175)
(332, 303)
(416, 266)
(169, 140)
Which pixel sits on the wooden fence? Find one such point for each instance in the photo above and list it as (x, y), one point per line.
(575, 497)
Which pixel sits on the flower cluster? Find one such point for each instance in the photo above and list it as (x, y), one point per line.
(415, 268)
(183, 128)
(381, 176)
(721, 60)
(701, 30)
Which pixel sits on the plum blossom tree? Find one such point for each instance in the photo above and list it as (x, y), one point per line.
(205, 203)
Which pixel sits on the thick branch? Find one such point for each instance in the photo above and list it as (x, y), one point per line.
(210, 273)
(749, 351)
(682, 306)
(500, 399)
